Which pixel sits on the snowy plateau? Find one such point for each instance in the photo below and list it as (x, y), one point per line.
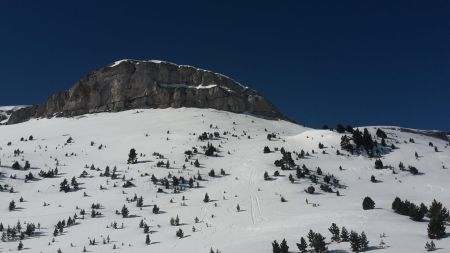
(186, 153)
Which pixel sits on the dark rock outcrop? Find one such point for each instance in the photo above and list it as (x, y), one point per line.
(430, 133)
(131, 84)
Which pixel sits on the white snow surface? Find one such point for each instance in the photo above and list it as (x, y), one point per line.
(12, 107)
(182, 85)
(263, 217)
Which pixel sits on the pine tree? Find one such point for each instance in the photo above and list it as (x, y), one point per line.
(438, 214)
(363, 242)
(74, 183)
(180, 233)
(284, 248)
(12, 205)
(64, 186)
(311, 189)
(132, 156)
(340, 128)
(396, 204)
(378, 164)
(430, 246)
(124, 212)
(16, 166)
(357, 138)
(344, 234)
(310, 236)
(206, 199)
(436, 228)
(354, 241)
(155, 209)
(345, 144)
(276, 247)
(436, 208)
(367, 140)
(147, 239)
(368, 203)
(140, 202)
(334, 230)
(318, 243)
(302, 246)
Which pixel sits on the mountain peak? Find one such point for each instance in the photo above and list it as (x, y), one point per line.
(137, 84)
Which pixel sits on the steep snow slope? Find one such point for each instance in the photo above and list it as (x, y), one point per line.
(263, 218)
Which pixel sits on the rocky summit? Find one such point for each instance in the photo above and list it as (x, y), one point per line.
(132, 84)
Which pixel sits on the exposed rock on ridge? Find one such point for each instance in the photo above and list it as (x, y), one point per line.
(131, 84)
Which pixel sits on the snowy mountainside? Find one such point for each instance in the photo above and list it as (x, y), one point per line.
(73, 145)
(6, 111)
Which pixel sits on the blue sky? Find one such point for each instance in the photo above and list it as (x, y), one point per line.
(319, 62)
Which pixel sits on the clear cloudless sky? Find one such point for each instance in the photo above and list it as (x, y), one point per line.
(320, 62)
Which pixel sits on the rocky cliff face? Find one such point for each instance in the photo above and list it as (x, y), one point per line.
(130, 84)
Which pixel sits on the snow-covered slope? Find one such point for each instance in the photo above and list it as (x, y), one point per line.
(263, 217)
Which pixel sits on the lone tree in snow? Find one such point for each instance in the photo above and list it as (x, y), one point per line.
(180, 233)
(147, 239)
(132, 156)
(12, 205)
(206, 199)
(378, 164)
(125, 212)
(368, 203)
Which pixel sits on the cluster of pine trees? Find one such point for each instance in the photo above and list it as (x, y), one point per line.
(407, 208)
(18, 232)
(59, 227)
(65, 187)
(208, 136)
(361, 140)
(17, 166)
(286, 162)
(210, 149)
(48, 174)
(436, 212)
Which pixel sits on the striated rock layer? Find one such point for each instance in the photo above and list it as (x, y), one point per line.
(131, 84)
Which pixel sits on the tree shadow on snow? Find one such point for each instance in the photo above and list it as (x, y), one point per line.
(145, 161)
(133, 216)
(372, 248)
